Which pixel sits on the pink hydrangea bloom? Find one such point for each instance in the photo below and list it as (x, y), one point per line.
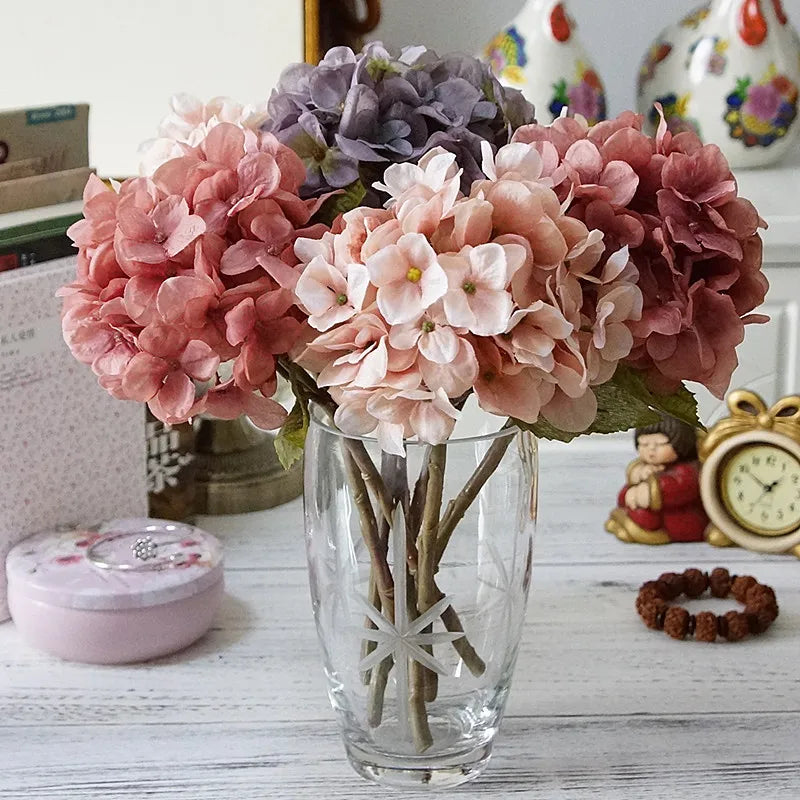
(408, 276)
(478, 279)
(693, 242)
(581, 249)
(189, 122)
(481, 296)
(190, 268)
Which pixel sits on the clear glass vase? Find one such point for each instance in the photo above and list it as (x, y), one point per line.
(420, 568)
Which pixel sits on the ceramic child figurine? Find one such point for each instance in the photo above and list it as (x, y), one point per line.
(729, 71)
(540, 54)
(660, 503)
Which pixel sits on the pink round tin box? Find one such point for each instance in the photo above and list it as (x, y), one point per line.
(136, 590)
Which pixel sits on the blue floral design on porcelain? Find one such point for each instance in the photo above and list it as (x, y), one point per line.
(585, 96)
(676, 113)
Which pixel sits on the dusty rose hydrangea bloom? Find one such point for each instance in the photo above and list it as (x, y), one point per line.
(191, 268)
(694, 242)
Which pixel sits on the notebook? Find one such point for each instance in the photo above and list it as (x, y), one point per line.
(70, 454)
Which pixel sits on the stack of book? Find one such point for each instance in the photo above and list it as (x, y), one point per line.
(44, 166)
(70, 454)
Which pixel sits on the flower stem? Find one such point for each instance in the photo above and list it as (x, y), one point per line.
(369, 530)
(384, 583)
(417, 680)
(426, 551)
(475, 664)
(374, 599)
(426, 541)
(371, 476)
(459, 505)
(420, 725)
(377, 691)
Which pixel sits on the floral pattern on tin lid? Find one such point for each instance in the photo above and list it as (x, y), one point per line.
(56, 567)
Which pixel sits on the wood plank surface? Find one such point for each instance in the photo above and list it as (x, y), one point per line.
(601, 707)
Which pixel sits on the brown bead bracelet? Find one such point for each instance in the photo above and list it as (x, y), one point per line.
(761, 607)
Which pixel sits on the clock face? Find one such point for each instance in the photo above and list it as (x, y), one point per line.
(761, 489)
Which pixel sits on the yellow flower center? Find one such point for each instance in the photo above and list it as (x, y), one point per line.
(341, 299)
(469, 287)
(428, 327)
(414, 274)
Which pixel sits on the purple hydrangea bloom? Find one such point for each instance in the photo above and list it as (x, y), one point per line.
(353, 115)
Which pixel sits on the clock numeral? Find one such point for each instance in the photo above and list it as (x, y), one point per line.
(764, 516)
(737, 480)
(780, 514)
(783, 467)
(792, 507)
(795, 479)
(772, 460)
(744, 468)
(756, 461)
(740, 496)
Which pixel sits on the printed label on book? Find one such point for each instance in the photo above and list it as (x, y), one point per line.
(19, 346)
(39, 116)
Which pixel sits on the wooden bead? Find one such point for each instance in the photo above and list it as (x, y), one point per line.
(695, 582)
(647, 593)
(720, 582)
(741, 586)
(705, 627)
(673, 583)
(738, 626)
(676, 622)
(758, 594)
(650, 611)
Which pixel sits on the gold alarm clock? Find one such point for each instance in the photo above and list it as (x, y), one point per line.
(750, 476)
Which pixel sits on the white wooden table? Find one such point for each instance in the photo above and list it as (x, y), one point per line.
(601, 708)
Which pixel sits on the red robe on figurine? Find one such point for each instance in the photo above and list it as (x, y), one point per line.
(661, 501)
(675, 504)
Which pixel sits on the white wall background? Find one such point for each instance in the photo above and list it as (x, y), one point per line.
(127, 57)
(616, 32)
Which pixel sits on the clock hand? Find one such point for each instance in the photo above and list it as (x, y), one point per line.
(759, 499)
(760, 483)
(768, 487)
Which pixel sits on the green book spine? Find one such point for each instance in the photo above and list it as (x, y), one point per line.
(34, 231)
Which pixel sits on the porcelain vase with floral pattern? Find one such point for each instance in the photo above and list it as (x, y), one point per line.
(540, 53)
(729, 71)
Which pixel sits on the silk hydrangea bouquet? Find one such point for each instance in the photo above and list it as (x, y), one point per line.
(396, 240)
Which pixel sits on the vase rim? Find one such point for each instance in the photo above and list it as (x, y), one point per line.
(320, 418)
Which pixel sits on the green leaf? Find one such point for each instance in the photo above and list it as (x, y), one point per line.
(349, 198)
(742, 87)
(291, 437)
(681, 404)
(623, 403)
(542, 429)
(560, 90)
